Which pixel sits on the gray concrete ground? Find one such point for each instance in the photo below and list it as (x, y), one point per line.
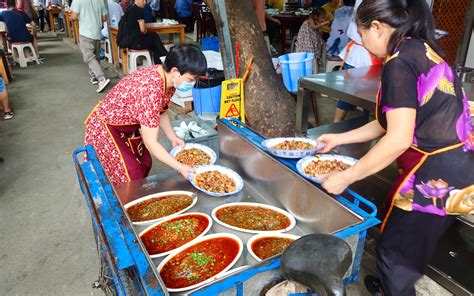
(47, 246)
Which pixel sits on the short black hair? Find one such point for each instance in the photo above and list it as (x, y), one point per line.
(11, 3)
(187, 58)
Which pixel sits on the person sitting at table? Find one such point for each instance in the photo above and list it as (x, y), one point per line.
(115, 14)
(16, 22)
(125, 126)
(56, 3)
(7, 110)
(338, 37)
(422, 124)
(139, 38)
(309, 37)
(184, 11)
(330, 8)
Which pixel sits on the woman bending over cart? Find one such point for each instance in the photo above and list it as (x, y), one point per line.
(422, 117)
(123, 128)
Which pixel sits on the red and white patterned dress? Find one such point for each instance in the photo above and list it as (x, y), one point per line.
(112, 128)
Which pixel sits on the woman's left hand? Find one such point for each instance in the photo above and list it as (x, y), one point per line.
(337, 182)
(177, 141)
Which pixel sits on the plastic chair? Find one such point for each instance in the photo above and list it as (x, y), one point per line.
(19, 56)
(332, 64)
(133, 56)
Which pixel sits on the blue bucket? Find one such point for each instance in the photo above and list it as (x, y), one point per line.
(295, 65)
(207, 100)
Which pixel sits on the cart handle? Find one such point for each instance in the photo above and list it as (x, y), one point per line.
(357, 200)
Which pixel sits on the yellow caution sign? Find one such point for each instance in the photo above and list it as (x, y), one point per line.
(232, 99)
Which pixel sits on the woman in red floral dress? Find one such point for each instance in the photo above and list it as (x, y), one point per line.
(123, 128)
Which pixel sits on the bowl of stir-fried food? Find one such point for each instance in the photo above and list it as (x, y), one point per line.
(194, 155)
(216, 180)
(318, 168)
(292, 147)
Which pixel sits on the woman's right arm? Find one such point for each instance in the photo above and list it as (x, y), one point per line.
(150, 138)
(141, 24)
(368, 132)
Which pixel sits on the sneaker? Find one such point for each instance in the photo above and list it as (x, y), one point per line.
(94, 80)
(8, 115)
(102, 85)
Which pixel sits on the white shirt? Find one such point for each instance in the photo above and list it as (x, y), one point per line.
(358, 56)
(115, 12)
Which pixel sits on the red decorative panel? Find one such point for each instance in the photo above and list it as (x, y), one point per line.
(449, 16)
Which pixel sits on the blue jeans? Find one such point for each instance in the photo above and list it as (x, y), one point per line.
(2, 85)
(341, 104)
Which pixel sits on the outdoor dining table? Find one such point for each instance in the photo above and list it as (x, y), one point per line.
(150, 27)
(52, 11)
(70, 26)
(289, 21)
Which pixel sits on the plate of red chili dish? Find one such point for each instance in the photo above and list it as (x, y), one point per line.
(201, 262)
(155, 207)
(253, 217)
(174, 232)
(266, 245)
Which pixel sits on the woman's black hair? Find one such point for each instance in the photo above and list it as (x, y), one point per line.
(11, 3)
(187, 58)
(410, 18)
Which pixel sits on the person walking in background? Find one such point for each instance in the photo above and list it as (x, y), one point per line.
(139, 37)
(40, 9)
(91, 15)
(7, 110)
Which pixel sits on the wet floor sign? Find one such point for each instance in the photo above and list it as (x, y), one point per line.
(232, 99)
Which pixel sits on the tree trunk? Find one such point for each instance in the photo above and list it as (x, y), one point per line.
(269, 108)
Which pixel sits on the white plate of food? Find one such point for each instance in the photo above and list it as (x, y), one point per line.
(248, 218)
(318, 168)
(266, 245)
(292, 147)
(216, 180)
(194, 154)
(202, 261)
(174, 233)
(155, 207)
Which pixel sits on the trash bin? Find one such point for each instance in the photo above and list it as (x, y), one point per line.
(295, 65)
(207, 92)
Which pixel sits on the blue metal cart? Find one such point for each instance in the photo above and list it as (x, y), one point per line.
(127, 269)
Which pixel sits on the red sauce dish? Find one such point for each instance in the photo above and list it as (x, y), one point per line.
(201, 262)
(174, 232)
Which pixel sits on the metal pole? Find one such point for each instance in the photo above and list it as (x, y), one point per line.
(229, 52)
